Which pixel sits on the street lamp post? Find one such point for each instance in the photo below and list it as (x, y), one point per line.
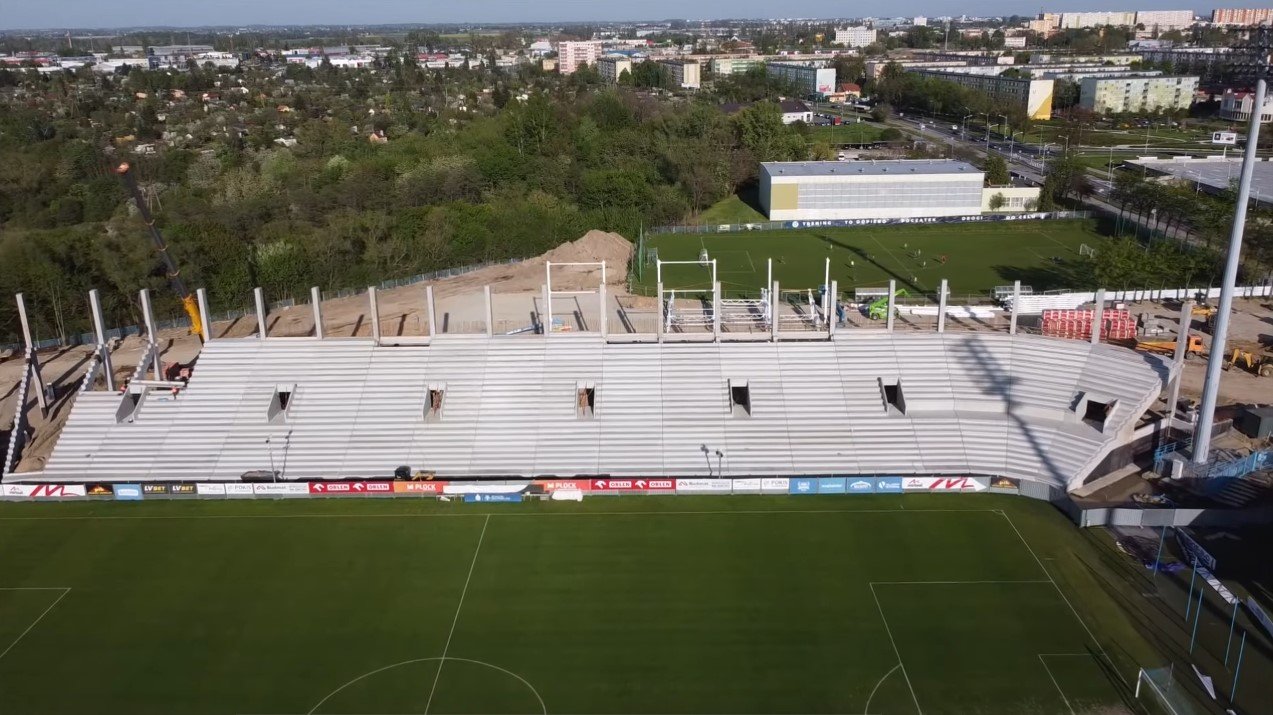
(963, 132)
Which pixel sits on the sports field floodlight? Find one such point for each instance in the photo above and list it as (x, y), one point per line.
(707, 455)
(1255, 66)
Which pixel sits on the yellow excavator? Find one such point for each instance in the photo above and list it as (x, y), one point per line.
(1251, 357)
(188, 302)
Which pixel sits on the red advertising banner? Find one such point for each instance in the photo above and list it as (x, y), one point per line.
(552, 485)
(354, 488)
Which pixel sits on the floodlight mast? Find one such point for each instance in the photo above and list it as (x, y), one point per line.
(1261, 43)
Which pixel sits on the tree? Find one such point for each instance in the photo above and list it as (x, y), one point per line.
(997, 171)
(881, 112)
(997, 201)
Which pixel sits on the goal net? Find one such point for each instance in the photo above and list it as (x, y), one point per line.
(1161, 692)
(1086, 250)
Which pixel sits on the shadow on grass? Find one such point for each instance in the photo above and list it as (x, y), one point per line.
(1059, 273)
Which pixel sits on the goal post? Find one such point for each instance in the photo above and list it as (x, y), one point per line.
(1160, 691)
(1086, 250)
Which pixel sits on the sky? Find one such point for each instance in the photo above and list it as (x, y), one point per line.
(24, 14)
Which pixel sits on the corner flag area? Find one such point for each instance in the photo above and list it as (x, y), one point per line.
(873, 604)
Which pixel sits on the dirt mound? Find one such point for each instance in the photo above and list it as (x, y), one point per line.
(596, 246)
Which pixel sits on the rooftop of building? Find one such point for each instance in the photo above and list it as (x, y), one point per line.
(868, 168)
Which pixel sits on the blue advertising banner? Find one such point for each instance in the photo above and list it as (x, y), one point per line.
(127, 492)
(888, 485)
(831, 485)
(860, 485)
(492, 497)
(804, 485)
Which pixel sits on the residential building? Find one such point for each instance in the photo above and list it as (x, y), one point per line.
(1112, 95)
(1241, 16)
(919, 21)
(855, 36)
(572, 55)
(1046, 24)
(829, 190)
(1196, 59)
(610, 68)
(725, 66)
(1080, 20)
(1163, 20)
(793, 110)
(686, 74)
(1032, 96)
(1237, 106)
(810, 79)
(1014, 42)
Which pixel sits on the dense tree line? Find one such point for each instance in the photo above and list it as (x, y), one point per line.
(499, 179)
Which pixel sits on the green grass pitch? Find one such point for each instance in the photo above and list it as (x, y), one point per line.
(979, 257)
(852, 604)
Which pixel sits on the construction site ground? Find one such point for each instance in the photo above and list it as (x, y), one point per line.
(517, 297)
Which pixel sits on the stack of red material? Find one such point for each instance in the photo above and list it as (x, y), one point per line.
(1077, 324)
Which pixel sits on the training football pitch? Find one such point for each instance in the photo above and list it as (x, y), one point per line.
(866, 604)
(974, 257)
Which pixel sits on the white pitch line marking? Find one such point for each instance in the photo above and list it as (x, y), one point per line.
(456, 620)
(900, 664)
(866, 710)
(65, 590)
(1058, 685)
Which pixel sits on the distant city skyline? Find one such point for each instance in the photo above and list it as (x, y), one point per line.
(186, 13)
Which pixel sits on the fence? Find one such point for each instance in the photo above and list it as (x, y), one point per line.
(288, 302)
(854, 223)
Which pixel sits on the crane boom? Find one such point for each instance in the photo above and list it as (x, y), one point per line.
(124, 170)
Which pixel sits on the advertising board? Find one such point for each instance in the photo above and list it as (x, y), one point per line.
(488, 498)
(128, 492)
(803, 485)
(639, 484)
(831, 485)
(747, 485)
(1216, 585)
(44, 491)
(238, 490)
(419, 487)
(704, 486)
(153, 489)
(943, 484)
(99, 490)
(552, 485)
(775, 484)
(1193, 548)
(485, 488)
(280, 489)
(888, 485)
(181, 489)
(1260, 614)
(1005, 483)
(860, 485)
(210, 490)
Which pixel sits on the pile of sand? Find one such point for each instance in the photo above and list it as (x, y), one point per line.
(593, 246)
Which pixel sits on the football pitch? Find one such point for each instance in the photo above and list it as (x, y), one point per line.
(974, 258)
(918, 604)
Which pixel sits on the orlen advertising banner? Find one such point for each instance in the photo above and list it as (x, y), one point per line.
(704, 486)
(639, 484)
(943, 484)
(349, 488)
(44, 491)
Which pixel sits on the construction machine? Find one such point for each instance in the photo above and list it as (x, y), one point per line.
(878, 309)
(1252, 357)
(1193, 346)
(188, 302)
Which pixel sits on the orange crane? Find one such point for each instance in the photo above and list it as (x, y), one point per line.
(188, 302)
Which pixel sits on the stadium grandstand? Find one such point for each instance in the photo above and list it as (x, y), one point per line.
(582, 404)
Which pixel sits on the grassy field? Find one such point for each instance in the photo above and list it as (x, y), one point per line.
(731, 209)
(978, 257)
(852, 133)
(922, 603)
